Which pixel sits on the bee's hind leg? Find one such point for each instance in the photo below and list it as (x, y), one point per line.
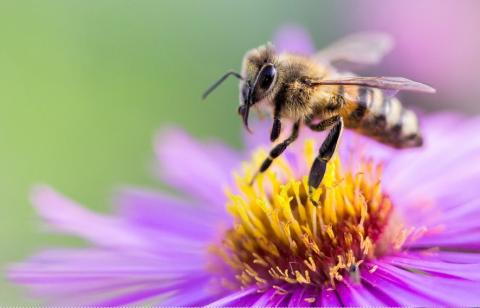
(327, 149)
(278, 150)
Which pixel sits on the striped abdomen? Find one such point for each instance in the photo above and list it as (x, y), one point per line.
(370, 112)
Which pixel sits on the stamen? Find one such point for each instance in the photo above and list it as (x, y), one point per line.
(279, 237)
(373, 269)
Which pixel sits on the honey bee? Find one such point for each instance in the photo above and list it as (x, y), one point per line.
(309, 91)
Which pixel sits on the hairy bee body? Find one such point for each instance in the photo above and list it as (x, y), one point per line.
(382, 118)
(310, 92)
(373, 114)
(368, 111)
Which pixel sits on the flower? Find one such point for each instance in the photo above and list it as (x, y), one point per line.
(413, 240)
(391, 228)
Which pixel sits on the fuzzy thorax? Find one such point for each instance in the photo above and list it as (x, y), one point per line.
(279, 237)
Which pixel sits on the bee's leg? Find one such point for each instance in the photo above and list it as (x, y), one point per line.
(276, 128)
(327, 149)
(277, 125)
(323, 125)
(278, 150)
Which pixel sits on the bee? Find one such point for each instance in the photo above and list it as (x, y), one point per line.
(309, 91)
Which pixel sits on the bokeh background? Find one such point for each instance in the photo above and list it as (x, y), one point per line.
(84, 85)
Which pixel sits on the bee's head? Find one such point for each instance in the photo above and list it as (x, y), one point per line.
(258, 77)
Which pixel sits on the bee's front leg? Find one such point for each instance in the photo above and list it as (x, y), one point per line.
(327, 149)
(276, 129)
(278, 150)
(277, 125)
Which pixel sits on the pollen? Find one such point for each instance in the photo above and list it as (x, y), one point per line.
(280, 237)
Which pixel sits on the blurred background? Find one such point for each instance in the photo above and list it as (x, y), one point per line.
(84, 85)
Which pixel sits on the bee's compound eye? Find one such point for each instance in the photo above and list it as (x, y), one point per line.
(267, 76)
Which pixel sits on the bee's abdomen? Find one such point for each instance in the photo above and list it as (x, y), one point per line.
(383, 118)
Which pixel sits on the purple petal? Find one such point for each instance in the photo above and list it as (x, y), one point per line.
(304, 296)
(231, 300)
(468, 241)
(297, 298)
(454, 224)
(264, 299)
(198, 170)
(270, 298)
(90, 276)
(194, 291)
(96, 263)
(68, 217)
(442, 290)
(293, 39)
(246, 301)
(133, 297)
(435, 128)
(396, 290)
(432, 163)
(439, 190)
(330, 298)
(164, 213)
(279, 300)
(352, 294)
(260, 136)
(450, 256)
(436, 267)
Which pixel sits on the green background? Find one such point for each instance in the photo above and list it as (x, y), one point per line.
(84, 85)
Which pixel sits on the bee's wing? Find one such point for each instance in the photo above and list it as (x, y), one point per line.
(358, 48)
(389, 85)
(355, 88)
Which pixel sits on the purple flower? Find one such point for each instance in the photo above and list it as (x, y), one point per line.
(392, 228)
(168, 251)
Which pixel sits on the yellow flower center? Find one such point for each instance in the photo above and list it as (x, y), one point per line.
(279, 237)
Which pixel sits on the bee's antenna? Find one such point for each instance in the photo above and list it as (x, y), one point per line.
(219, 81)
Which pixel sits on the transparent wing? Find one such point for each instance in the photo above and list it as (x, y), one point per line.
(360, 89)
(359, 48)
(388, 84)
